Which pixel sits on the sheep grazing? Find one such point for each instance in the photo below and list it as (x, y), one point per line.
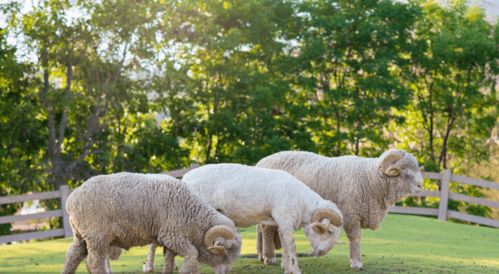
(123, 210)
(252, 195)
(363, 188)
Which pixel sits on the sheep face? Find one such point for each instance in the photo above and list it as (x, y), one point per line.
(403, 172)
(414, 178)
(322, 237)
(222, 263)
(222, 246)
(325, 228)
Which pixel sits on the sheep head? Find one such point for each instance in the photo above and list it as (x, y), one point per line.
(219, 238)
(324, 230)
(404, 173)
(222, 247)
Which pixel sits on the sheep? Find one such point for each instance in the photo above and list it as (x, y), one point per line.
(363, 188)
(123, 210)
(253, 195)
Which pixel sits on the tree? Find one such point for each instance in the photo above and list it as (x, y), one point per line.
(452, 73)
(453, 76)
(20, 127)
(87, 64)
(232, 104)
(346, 54)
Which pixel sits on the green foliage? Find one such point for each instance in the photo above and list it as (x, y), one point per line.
(348, 49)
(234, 105)
(20, 128)
(150, 150)
(452, 75)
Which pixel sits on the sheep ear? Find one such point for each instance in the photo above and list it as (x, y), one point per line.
(389, 161)
(319, 228)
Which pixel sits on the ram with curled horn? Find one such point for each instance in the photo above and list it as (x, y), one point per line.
(363, 188)
(219, 238)
(250, 195)
(148, 209)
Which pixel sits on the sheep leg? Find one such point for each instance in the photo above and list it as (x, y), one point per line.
(277, 239)
(190, 255)
(169, 261)
(289, 260)
(114, 254)
(98, 254)
(149, 263)
(354, 234)
(259, 232)
(108, 264)
(268, 247)
(76, 253)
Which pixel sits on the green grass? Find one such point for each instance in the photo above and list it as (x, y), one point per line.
(404, 244)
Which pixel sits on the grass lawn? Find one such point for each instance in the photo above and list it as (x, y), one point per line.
(404, 244)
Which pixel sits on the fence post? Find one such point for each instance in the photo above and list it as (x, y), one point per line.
(65, 191)
(444, 196)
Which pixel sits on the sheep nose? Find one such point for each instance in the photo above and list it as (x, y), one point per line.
(319, 252)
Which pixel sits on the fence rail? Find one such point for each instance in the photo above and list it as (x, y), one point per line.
(30, 197)
(444, 195)
(442, 211)
(62, 194)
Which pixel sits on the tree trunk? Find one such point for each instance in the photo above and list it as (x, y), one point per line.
(53, 146)
(442, 159)
(216, 149)
(338, 133)
(431, 130)
(356, 146)
(208, 148)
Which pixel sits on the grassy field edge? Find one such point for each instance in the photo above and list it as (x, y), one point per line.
(404, 244)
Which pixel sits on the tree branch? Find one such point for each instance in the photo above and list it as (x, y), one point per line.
(67, 95)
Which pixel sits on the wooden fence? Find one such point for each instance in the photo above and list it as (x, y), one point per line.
(62, 194)
(442, 211)
(444, 195)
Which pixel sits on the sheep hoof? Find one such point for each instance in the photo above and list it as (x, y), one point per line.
(148, 268)
(269, 261)
(293, 271)
(356, 265)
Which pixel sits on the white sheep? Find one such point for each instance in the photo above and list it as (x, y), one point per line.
(363, 188)
(252, 195)
(123, 210)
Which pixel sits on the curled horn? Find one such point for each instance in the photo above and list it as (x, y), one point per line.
(218, 232)
(329, 214)
(387, 164)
